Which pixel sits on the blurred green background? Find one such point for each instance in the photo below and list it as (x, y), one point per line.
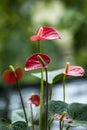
(19, 19)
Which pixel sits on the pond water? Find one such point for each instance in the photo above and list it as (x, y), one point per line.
(76, 91)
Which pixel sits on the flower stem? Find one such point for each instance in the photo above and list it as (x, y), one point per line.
(46, 116)
(18, 87)
(61, 119)
(64, 78)
(46, 98)
(19, 91)
(68, 127)
(39, 48)
(60, 125)
(32, 116)
(50, 122)
(41, 100)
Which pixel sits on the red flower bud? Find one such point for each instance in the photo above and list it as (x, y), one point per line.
(34, 99)
(11, 77)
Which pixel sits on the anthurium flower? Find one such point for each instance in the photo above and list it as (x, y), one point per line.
(45, 33)
(59, 117)
(33, 62)
(11, 76)
(74, 71)
(34, 99)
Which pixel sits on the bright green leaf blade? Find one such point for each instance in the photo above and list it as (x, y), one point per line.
(78, 113)
(53, 76)
(56, 107)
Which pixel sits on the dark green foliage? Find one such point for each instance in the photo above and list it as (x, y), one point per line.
(56, 107)
(5, 125)
(77, 111)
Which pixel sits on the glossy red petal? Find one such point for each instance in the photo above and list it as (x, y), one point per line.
(33, 63)
(9, 77)
(75, 71)
(50, 33)
(34, 99)
(19, 73)
(47, 33)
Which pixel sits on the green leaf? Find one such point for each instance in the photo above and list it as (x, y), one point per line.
(53, 76)
(56, 107)
(76, 123)
(19, 125)
(78, 113)
(75, 111)
(6, 125)
(18, 115)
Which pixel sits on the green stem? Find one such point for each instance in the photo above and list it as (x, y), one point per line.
(64, 78)
(32, 116)
(60, 125)
(44, 63)
(19, 91)
(22, 101)
(68, 127)
(39, 48)
(41, 100)
(46, 98)
(50, 122)
(46, 116)
(50, 93)
(61, 119)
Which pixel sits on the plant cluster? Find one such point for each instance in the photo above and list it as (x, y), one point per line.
(46, 110)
